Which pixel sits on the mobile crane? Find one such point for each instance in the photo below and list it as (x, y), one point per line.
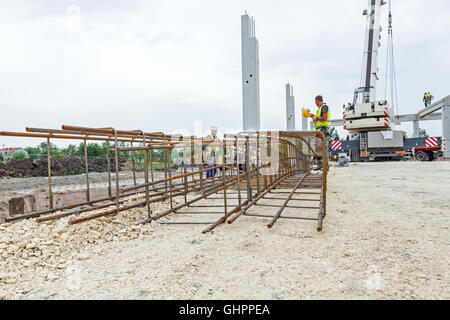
(369, 120)
(372, 122)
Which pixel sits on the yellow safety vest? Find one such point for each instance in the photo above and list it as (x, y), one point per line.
(214, 151)
(319, 124)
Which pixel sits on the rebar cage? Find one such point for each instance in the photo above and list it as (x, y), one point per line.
(249, 167)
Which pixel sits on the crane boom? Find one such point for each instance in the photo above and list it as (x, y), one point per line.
(372, 44)
(366, 113)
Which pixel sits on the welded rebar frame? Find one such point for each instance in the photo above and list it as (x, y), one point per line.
(290, 168)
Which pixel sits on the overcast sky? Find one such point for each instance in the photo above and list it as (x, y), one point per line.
(160, 65)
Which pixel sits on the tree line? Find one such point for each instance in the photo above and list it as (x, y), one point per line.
(93, 150)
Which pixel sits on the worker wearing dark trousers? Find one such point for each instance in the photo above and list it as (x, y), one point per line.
(322, 121)
(425, 99)
(212, 154)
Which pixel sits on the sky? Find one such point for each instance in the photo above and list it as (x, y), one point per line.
(175, 66)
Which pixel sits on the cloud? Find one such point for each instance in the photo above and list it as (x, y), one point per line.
(162, 65)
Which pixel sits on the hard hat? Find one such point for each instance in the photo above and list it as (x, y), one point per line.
(306, 113)
(213, 128)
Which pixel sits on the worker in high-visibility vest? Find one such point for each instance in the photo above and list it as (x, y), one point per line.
(322, 117)
(425, 99)
(322, 120)
(213, 152)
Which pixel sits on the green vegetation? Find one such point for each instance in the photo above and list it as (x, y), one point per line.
(19, 156)
(423, 133)
(93, 150)
(155, 165)
(334, 135)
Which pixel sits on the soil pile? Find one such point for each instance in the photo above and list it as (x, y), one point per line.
(69, 166)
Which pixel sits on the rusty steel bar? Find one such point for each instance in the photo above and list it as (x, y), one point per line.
(86, 164)
(272, 198)
(253, 202)
(78, 211)
(165, 180)
(207, 193)
(81, 133)
(223, 219)
(247, 168)
(107, 213)
(114, 211)
(185, 176)
(132, 165)
(258, 187)
(291, 161)
(170, 176)
(282, 217)
(223, 180)
(186, 204)
(110, 131)
(55, 136)
(165, 168)
(238, 171)
(321, 214)
(116, 159)
(49, 171)
(280, 211)
(39, 213)
(277, 206)
(108, 163)
(147, 192)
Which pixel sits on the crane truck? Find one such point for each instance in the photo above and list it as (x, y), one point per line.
(371, 122)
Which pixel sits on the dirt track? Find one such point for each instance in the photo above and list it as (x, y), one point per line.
(385, 237)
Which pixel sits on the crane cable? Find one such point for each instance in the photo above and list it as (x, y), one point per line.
(390, 66)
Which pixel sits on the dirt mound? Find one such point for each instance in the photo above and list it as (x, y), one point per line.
(69, 166)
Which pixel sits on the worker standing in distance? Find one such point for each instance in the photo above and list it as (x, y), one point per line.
(430, 98)
(425, 99)
(212, 153)
(322, 121)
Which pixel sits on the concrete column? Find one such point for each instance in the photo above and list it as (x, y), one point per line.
(446, 129)
(416, 133)
(311, 125)
(304, 124)
(250, 74)
(290, 108)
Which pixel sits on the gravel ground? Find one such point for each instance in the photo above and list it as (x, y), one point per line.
(385, 237)
(16, 187)
(74, 182)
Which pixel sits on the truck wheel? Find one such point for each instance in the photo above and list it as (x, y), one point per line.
(421, 156)
(355, 155)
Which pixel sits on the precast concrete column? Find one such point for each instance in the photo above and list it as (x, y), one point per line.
(446, 129)
(290, 108)
(250, 75)
(416, 129)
